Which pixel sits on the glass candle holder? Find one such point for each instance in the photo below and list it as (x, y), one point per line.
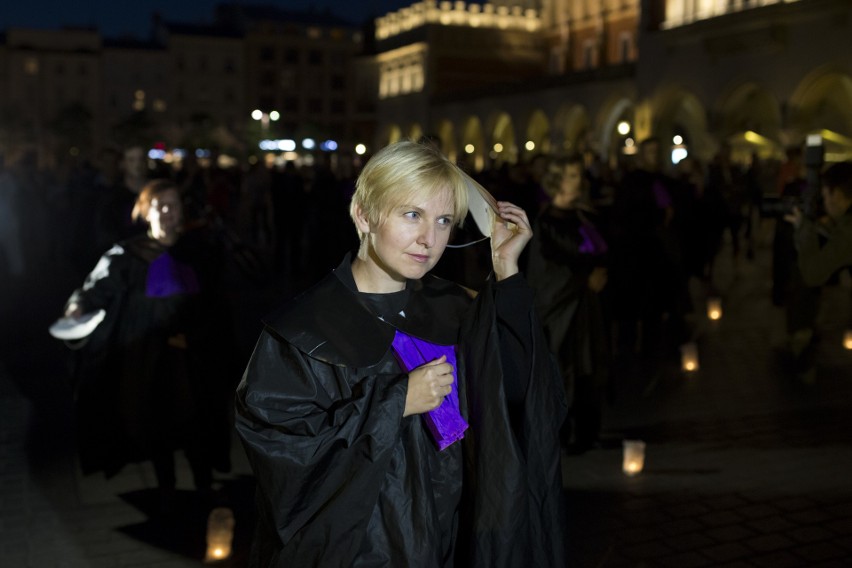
(634, 457)
(689, 357)
(220, 534)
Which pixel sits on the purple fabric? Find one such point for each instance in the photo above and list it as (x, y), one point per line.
(445, 422)
(593, 242)
(167, 277)
(661, 195)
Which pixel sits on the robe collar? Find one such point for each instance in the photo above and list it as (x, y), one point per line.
(331, 322)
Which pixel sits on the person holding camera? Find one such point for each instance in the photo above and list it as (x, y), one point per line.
(819, 261)
(823, 246)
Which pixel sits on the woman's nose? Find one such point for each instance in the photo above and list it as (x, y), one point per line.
(427, 236)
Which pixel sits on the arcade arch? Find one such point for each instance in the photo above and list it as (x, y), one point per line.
(822, 104)
(473, 150)
(750, 122)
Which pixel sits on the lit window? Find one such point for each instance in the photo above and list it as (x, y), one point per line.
(31, 66)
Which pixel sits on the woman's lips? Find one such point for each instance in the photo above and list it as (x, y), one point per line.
(422, 258)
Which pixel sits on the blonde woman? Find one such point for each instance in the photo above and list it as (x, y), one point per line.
(391, 419)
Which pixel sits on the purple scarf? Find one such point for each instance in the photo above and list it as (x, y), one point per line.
(167, 277)
(445, 422)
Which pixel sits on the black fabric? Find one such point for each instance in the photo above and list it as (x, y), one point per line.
(345, 480)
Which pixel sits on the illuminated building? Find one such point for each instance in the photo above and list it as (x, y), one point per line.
(759, 74)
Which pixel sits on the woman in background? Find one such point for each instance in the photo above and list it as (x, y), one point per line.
(154, 377)
(567, 269)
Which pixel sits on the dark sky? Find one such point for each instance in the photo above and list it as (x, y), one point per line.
(129, 17)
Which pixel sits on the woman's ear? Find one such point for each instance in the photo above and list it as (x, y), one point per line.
(362, 221)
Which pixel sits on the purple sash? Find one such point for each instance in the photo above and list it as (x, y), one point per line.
(445, 422)
(167, 277)
(593, 242)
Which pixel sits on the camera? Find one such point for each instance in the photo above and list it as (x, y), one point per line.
(775, 207)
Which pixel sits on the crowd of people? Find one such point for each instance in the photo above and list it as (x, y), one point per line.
(611, 255)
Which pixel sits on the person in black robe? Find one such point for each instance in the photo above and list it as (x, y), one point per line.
(154, 376)
(567, 269)
(390, 418)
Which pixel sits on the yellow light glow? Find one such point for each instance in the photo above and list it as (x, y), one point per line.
(623, 127)
(220, 533)
(530, 145)
(689, 357)
(274, 115)
(256, 114)
(498, 147)
(677, 139)
(714, 308)
(633, 457)
(469, 148)
(360, 149)
(847, 339)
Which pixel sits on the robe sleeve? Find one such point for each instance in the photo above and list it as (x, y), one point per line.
(319, 438)
(513, 503)
(103, 284)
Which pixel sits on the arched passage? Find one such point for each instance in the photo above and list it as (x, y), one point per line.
(504, 147)
(822, 104)
(679, 112)
(750, 121)
(537, 139)
(473, 149)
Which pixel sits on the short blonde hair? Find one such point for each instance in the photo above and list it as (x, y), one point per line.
(400, 171)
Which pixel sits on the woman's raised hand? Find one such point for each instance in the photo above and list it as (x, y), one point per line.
(509, 235)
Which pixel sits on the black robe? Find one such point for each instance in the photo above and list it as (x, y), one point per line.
(345, 480)
(136, 395)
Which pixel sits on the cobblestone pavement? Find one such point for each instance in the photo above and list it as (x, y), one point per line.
(745, 464)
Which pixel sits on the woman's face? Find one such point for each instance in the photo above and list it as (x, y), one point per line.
(165, 215)
(408, 242)
(569, 191)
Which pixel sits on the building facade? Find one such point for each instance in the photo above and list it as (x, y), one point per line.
(759, 75)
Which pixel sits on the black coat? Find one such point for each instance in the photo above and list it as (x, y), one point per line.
(345, 480)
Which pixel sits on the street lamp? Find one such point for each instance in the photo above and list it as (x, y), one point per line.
(265, 117)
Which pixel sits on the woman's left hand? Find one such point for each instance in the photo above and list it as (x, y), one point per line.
(509, 235)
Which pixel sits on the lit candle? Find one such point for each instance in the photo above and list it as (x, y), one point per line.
(634, 457)
(220, 534)
(689, 357)
(714, 308)
(847, 339)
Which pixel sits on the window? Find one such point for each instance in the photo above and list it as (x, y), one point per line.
(31, 66)
(338, 106)
(589, 59)
(625, 44)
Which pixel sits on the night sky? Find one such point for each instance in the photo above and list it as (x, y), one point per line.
(129, 18)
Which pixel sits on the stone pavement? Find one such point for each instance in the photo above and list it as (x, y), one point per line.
(745, 465)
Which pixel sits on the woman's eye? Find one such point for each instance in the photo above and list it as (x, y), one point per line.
(445, 221)
(411, 215)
